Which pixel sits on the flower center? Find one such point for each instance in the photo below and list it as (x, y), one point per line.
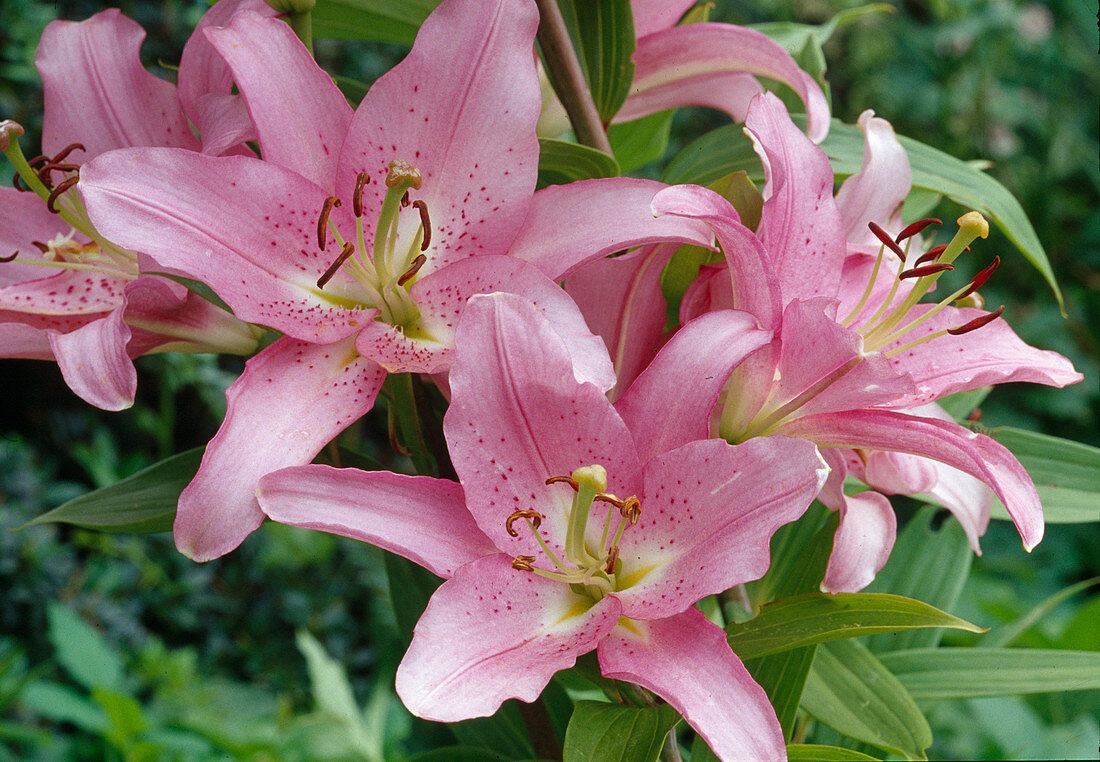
(589, 572)
(890, 322)
(386, 273)
(38, 175)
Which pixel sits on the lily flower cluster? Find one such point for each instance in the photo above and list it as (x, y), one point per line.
(609, 475)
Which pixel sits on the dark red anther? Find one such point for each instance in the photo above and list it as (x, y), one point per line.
(38, 160)
(41, 246)
(60, 156)
(326, 276)
(15, 182)
(532, 516)
(416, 265)
(11, 258)
(980, 279)
(322, 223)
(361, 181)
(913, 228)
(931, 255)
(44, 172)
(887, 241)
(567, 479)
(920, 272)
(424, 223)
(405, 200)
(56, 193)
(612, 557)
(977, 322)
(523, 563)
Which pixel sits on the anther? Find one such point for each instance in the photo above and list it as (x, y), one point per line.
(40, 246)
(612, 558)
(60, 156)
(416, 265)
(361, 181)
(977, 322)
(523, 563)
(405, 200)
(567, 479)
(533, 516)
(322, 223)
(56, 192)
(920, 272)
(887, 241)
(424, 223)
(36, 161)
(913, 228)
(11, 258)
(326, 276)
(52, 166)
(631, 508)
(931, 255)
(15, 182)
(980, 279)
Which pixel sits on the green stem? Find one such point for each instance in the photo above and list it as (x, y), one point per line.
(536, 720)
(564, 70)
(409, 424)
(670, 752)
(302, 24)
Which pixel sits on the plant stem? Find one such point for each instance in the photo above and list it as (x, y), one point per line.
(302, 24)
(539, 728)
(565, 73)
(670, 752)
(409, 424)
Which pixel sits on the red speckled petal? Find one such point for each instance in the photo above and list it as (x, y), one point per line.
(26, 219)
(418, 517)
(301, 117)
(62, 293)
(576, 223)
(800, 225)
(492, 633)
(695, 52)
(291, 399)
(686, 661)
(461, 107)
(708, 514)
(94, 362)
(518, 415)
(97, 93)
(245, 227)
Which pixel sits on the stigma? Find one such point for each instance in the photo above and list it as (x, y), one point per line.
(589, 569)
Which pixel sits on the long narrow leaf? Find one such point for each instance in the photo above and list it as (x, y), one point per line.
(1066, 473)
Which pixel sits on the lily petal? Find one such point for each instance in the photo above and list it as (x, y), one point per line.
(698, 358)
(800, 225)
(654, 15)
(95, 364)
(569, 225)
(876, 192)
(518, 416)
(862, 543)
(957, 446)
(245, 227)
(492, 633)
(301, 117)
(25, 342)
(291, 399)
(469, 127)
(686, 660)
(418, 517)
(96, 91)
(672, 56)
(707, 517)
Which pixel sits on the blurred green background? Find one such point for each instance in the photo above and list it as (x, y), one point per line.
(195, 661)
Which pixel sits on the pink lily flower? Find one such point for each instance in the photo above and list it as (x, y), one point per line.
(714, 65)
(855, 354)
(563, 537)
(96, 311)
(361, 236)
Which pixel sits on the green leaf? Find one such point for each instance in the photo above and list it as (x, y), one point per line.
(503, 733)
(1066, 473)
(728, 149)
(927, 564)
(962, 404)
(410, 588)
(142, 503)
(60, 703)
(616, 733)
(853, 693)
(562, 162)
(640, 141)
(1003, 636)
(377, 20)
(603, 37)
(797, 752)
(124, 714)
(945, 673)
(793, 36)
(460, 754)
(810, 618)
(82, 650)
(333, 694)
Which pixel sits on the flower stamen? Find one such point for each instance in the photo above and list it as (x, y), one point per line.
(322, 223)
(534, 519)
(361, 181)
(413, 270)
(914, 228)
(425, 223)
(56, 193)
(345, 253)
